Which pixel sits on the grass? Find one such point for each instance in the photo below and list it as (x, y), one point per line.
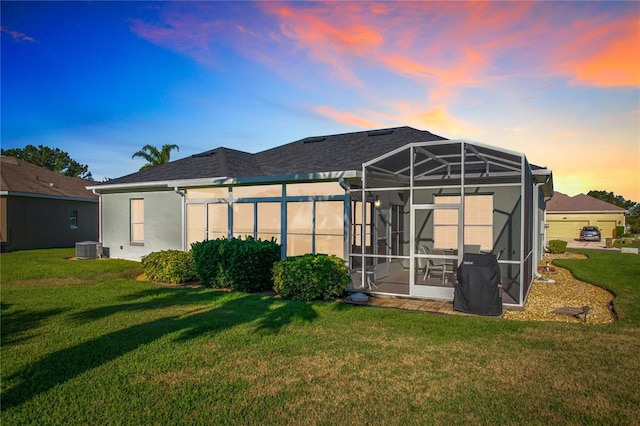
(83, 343)
(627, 242)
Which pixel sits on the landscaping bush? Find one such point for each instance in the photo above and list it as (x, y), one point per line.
(311, 277)
(619, 231)
(207, 260)
(239, 264)
(557, 246)
(169, 266)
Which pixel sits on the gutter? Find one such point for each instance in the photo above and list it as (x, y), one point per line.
(183, 214)
(51, 197)
(222, 180)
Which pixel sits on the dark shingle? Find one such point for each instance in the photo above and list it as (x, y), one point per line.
(328, 153)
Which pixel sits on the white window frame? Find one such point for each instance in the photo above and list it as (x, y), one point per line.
(133, 222)
(73, 219)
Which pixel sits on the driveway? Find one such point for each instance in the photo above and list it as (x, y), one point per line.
(592, 245)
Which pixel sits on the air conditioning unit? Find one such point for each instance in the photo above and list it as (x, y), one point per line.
(88, 250)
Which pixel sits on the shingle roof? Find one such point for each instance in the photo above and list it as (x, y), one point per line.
(330, 153)
(579, 203)
(19, 176)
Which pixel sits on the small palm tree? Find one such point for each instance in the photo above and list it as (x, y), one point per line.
(155, 156)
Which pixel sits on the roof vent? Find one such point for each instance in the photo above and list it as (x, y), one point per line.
(204, 154)
(380, 132)
(314, 139)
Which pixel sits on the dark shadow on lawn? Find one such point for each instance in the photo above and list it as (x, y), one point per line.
(57, 368)
(156, 298)
(15, 324)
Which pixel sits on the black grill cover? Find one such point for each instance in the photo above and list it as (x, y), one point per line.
(477, 290)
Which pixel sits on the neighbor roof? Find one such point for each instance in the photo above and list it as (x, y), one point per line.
(318, 154)
(19, 177)
(579, 203)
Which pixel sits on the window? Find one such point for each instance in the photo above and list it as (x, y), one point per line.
(137, 220)
(73, 219)
(196, 226)
(315, 227)
(478, 222)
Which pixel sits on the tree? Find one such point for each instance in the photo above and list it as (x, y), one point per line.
(633, 209)
(50, 158)
(155, 156)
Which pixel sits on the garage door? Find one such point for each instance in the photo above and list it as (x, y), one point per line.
(607, 228)
(566, 229)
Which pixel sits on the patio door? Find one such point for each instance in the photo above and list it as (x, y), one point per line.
(382, 242)
(435, 244)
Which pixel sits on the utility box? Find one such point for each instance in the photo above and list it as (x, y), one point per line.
(88, 250)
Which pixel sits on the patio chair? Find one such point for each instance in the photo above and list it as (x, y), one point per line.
(432, 265)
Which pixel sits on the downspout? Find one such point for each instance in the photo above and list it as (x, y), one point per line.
(99, 215)
(537, 224)
(182, 216)
(346, 221)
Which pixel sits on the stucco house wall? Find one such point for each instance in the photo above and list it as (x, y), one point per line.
(36, 223)
(163, 223)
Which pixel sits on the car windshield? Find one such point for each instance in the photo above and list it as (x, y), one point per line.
(590, 229)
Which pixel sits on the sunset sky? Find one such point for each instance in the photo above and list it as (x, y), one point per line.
(559, 81)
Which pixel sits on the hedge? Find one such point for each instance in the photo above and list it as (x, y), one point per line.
(557, 246)
(169, 266)
(311, 277)
(239, 264)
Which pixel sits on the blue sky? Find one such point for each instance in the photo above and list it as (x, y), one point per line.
(558, 81)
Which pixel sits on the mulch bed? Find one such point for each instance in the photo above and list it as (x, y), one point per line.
(547, 297)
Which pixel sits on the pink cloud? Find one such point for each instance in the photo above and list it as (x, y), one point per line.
(16, 35)
(439, 48)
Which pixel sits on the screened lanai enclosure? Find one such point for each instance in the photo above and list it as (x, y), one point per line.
(418, 209)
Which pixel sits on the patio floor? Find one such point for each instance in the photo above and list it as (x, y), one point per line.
(431, 306)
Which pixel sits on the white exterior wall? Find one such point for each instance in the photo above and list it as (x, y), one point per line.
(163, 227)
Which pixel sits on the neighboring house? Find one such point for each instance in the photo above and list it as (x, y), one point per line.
(393, 200)
(40, 208)
(567, 215)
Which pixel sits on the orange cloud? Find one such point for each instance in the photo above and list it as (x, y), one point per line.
(346, 117)
(436, 118)
(603, 55)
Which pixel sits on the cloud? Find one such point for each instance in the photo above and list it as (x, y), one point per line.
(436, 118)
(357, 119)
(564, 135)
(16, 35)
(415, 63)
(602, 54)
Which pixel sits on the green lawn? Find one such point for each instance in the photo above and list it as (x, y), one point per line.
(84, 343)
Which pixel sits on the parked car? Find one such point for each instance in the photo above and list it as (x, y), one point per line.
(590, 233)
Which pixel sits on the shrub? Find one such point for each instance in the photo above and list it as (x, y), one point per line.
(619, 231)
(207, 259)
(169, 266)
(242, 265)
(311, 277)
(557, 246)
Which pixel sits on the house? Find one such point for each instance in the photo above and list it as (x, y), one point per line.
(389, 202)
(567, 215)
(40, 208)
